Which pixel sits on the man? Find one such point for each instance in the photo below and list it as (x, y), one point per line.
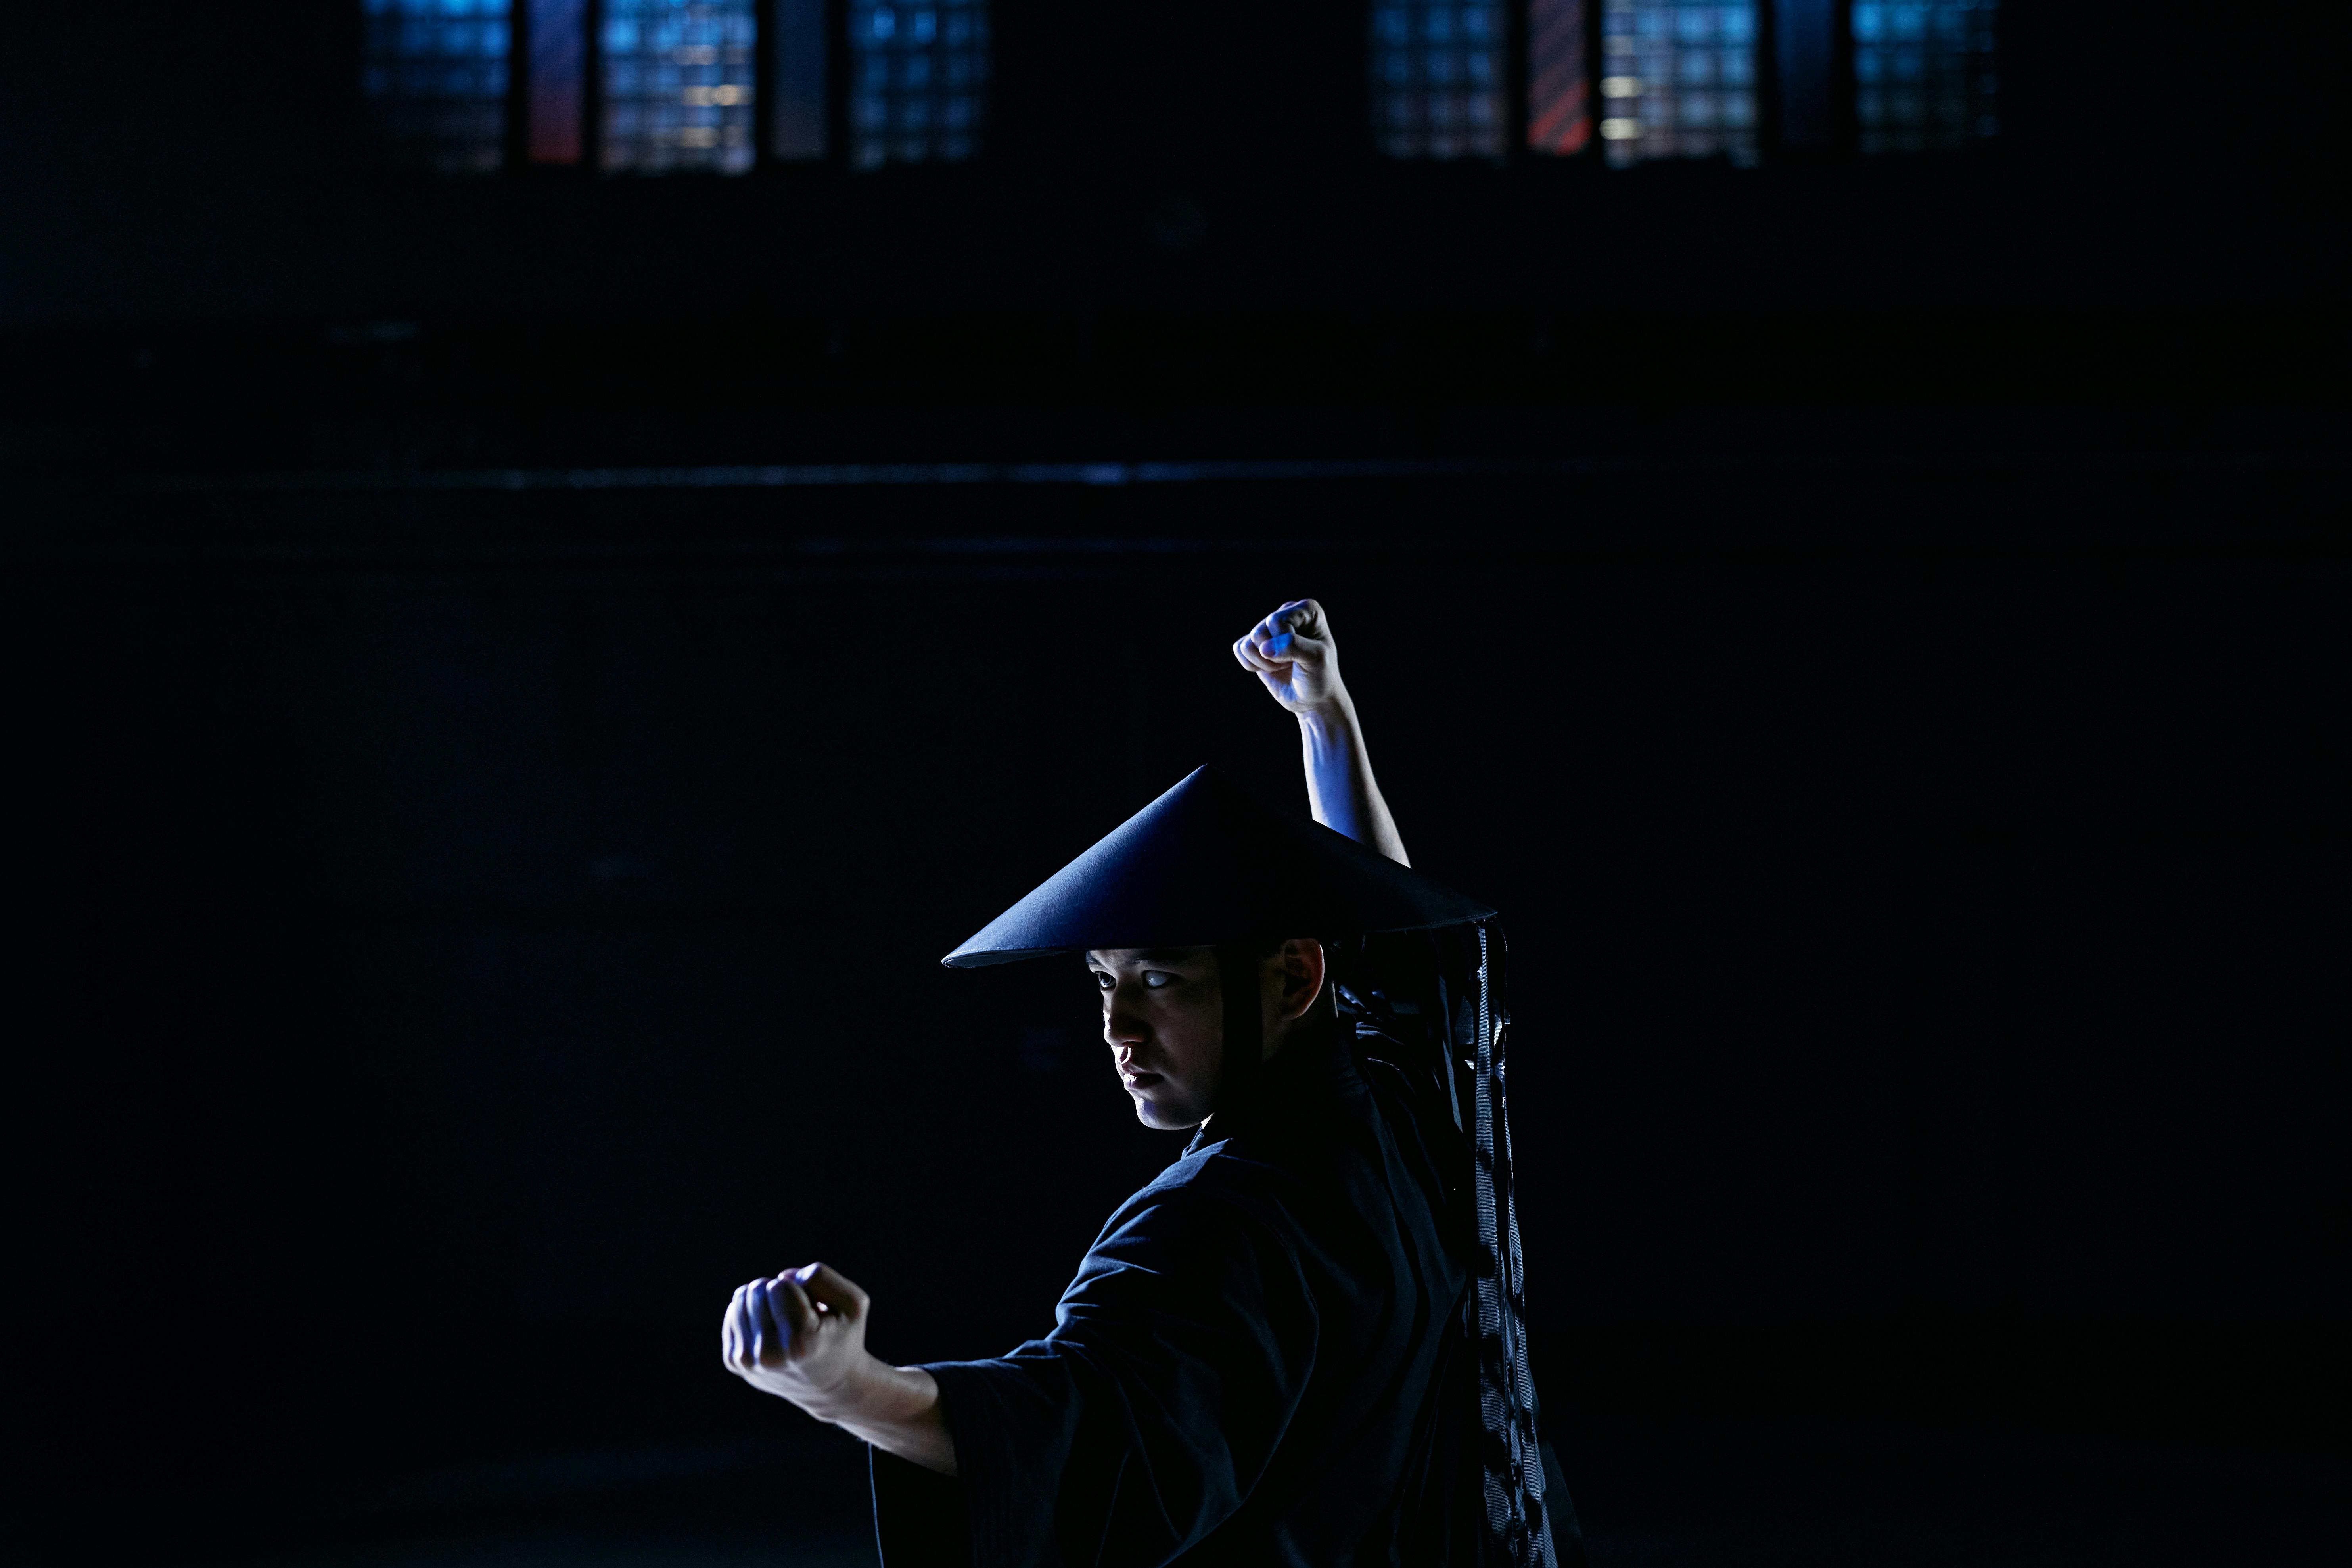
(1303, 1343)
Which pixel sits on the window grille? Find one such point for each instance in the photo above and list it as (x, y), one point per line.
(678, 84)
(919, 80)
(433, 77)
(1678, 79)
(1926, 74)
(1438, 76)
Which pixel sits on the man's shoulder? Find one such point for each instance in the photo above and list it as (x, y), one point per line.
(1212, 1169)
(1212, 1180)
(1211, 1216)
(1239, 1179)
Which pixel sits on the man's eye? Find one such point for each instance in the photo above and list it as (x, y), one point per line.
(1103, 980)
(1155, 979)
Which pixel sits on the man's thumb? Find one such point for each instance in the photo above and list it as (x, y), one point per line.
(1297, 645)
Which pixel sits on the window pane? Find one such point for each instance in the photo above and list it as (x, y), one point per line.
(798, 50)
(1437, 86)
(919, 81)
(433, 79)
(1805, 39)
(1678, 79)
(553, 77)
(678, 84)
(1559, 118)
(1926, 74)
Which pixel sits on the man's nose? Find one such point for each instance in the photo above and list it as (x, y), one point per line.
(1122, 1026)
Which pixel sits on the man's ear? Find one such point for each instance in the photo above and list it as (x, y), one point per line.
(1301, 965)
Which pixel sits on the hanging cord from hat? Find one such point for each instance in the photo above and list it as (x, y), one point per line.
(1513, 1455)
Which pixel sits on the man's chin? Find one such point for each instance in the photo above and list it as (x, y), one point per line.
(1164, 1118)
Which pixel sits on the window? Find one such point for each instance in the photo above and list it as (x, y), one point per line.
(918, 78)
(671, 85)
(1678, 79)
(1438, 78)
(434, 74)
(554, 74)
(722, 86)
(1560, 118)
(796, 58)
(1925, 74)
(678, 84)
(1805, 49)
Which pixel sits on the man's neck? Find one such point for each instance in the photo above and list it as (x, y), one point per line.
(1293, 1042)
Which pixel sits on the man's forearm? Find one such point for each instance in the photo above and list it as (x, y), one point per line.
(1339, 783)
(897, 1409)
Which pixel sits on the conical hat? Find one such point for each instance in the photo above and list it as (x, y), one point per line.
(1209, 862)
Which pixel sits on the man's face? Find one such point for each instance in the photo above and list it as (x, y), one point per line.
(1163, 1016)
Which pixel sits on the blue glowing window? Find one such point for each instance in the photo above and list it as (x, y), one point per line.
(1678, 79)
(1926, 74)
(678, 84)
(434, 77)
(1437, 79)
(919, 81)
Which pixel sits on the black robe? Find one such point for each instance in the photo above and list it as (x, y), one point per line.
(1263, 1359)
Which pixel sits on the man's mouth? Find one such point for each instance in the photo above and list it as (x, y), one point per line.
(1136, 1079)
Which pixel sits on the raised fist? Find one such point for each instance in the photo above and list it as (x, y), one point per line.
(1293, 652)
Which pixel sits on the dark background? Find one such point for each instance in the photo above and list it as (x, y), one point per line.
(513, 683)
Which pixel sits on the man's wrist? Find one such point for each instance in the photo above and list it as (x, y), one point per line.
(842, 1399)
(1330, 724)
(892, 1407)
(873, 1393)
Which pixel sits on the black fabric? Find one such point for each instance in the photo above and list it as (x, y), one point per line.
(1517, 1476)
(1244, 1044)
(1437, 1013)
(1265, 1359)
(1209, 862)
(918, 1514)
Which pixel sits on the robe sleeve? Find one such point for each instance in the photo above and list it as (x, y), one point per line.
(1147, 1415)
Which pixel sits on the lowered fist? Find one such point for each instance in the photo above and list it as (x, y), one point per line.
(801, 1336)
